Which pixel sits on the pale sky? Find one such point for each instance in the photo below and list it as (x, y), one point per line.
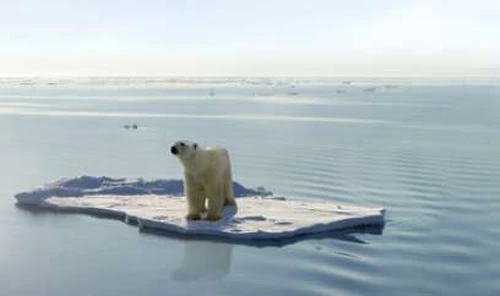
(250, 37)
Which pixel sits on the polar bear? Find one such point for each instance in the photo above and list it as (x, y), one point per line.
(207, 176)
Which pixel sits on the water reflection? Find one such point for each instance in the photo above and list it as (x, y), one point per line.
(204, 260)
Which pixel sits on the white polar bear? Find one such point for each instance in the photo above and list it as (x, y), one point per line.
(207, 175)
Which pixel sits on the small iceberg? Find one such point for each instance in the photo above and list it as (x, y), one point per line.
(159, 207)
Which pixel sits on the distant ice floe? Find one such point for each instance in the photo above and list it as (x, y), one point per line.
(157, 206)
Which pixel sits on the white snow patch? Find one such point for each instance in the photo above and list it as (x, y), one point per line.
(255, 217)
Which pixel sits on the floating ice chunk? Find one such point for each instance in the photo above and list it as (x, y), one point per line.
(257, 217)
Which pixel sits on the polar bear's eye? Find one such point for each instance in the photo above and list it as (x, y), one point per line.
(182, 144)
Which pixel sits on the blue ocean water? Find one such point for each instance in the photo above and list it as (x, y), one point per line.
(427, 150)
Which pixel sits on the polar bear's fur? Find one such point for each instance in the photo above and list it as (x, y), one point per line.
(207, 176)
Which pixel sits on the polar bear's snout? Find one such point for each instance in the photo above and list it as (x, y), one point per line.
(183, 148)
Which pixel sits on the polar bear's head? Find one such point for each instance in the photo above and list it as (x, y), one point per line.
(184, 149)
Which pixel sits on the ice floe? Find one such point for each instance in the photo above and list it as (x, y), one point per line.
(159, 206)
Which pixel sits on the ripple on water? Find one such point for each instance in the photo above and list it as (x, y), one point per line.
(437, 175)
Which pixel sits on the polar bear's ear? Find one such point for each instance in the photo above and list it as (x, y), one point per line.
(195, 145)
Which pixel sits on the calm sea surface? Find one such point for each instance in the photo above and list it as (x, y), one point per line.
(428, 151)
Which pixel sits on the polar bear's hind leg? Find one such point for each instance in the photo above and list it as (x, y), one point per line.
(215, 203)
(228, 192)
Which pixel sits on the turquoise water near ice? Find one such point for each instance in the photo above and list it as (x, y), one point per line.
(428, 151)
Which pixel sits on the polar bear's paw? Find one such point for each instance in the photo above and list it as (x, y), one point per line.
(213, 217)
(193, 217)
(229, 202)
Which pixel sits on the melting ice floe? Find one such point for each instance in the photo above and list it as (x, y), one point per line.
(159, 206)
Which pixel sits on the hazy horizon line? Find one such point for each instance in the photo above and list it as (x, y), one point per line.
(236, 76)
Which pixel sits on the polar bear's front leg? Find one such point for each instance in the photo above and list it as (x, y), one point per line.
(194, 198)
(215, 202)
